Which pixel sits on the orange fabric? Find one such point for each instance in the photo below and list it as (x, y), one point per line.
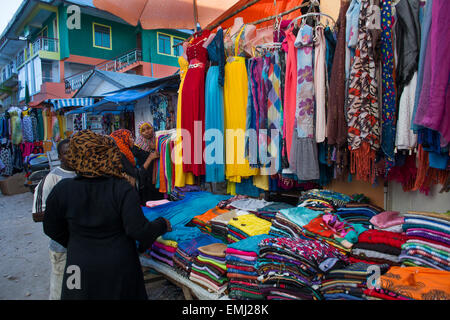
(162, 176)
(417, 283)
(210, 214)
(260, 10)
(172, 14)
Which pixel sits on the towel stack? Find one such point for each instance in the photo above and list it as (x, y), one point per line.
(388, 221)
(245, 226)
(289, 268)
(428, 242)
(378, 247)
(209, 267)
(241, 260)
(348, 282)
(163, 250)
(187, 251)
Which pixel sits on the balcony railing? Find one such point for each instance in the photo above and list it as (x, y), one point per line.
(45, 44)
(121, 62)
(75, 82)
(8, 71)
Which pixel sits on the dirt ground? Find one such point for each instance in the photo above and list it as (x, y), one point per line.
(24, 259)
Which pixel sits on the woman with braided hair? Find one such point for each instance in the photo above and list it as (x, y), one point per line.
(97, 217)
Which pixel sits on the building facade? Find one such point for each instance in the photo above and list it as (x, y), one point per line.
(50, 48)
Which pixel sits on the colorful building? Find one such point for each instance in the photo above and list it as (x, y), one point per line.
(50, 48)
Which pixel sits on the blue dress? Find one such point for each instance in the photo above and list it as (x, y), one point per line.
(214, 111)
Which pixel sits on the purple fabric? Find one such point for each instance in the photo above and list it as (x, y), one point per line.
(158, 257)
(433, 110)
(428, 235)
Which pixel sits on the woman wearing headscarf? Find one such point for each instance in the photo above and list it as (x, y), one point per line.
(137, 164)
(97, 217)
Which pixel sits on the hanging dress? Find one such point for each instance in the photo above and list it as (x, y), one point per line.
(181, 178)
(235, 106)
(304, 160)
(193, 106)
(214, 117)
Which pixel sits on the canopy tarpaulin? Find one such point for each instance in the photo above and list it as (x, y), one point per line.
(257, 10)
(74, 102)
(120, 102)
(170, 14)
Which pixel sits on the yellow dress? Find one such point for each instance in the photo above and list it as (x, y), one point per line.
(181, 178)
(235, 105)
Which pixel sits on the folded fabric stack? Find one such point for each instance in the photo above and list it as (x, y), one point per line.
(429, 240)
(334, 199)
(378, 247)
(249, 204)
(219, 224)
(209, 267)
(289, 268)
(358, 213)
(226, 204)
(241, 260)
(245, 226)
(202, 220)
(269, 212)
(289, 222)
(187, 251)
(412, 283)
(388, 221)
(330, 228)
(163, 250)
(348, 282)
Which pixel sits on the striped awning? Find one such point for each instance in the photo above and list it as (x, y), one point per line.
(74, 102)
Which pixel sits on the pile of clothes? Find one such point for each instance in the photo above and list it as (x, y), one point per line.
(202, 220)
(241, 260)
(428, 243)
(348, 282)
(219, 224)
(209, 267)
(163, 251)
(187, 251)
(359, 213)
(289, 222)
(411, 283)
(270, 211)
(378, 247)
(289, 269)
(245, 226)
(388, 221)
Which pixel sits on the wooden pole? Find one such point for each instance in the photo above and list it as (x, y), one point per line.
(195, 15)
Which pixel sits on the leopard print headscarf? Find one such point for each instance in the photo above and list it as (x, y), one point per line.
(93, 155)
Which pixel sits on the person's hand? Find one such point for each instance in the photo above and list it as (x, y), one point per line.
(153, 155)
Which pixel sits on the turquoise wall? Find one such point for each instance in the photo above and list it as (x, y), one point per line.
(81, 41)
(150, 47)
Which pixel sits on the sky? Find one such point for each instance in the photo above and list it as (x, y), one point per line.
(7, 10)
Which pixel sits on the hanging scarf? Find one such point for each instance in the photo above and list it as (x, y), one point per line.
(143, 143)
(122, 138)
(363, 110)
(93, 155)
(388, 85)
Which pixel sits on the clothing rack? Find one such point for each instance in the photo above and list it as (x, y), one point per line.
(310, 15)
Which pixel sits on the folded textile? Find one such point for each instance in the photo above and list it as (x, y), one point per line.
(387, 219)
(156, 203)
(248, 225)
(385, 237)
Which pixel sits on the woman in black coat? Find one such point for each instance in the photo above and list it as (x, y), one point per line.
(98, 218)
(138, 164)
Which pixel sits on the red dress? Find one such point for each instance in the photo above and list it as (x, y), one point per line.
(193, 106)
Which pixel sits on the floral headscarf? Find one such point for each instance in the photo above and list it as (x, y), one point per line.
(122, 138)
(141, 142)
(93, 155)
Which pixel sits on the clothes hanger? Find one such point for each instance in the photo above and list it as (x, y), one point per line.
(311, 14)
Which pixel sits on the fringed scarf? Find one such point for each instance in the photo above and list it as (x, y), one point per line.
(122, 138)
(363, 109)
(143, 143)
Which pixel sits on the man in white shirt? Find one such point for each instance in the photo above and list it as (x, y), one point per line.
(43, 189)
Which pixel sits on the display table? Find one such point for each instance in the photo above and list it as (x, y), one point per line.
(190, 289)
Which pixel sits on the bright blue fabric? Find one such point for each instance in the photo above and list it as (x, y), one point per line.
(249, 244)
